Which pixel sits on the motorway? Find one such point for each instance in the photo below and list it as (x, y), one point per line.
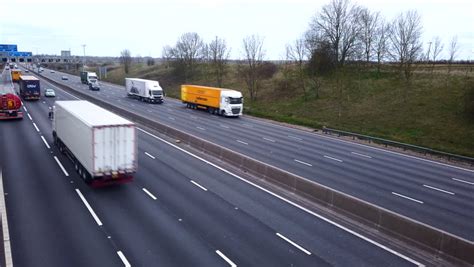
(431, 192)
(179, 211)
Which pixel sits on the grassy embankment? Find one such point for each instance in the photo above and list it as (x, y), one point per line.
(429, 113)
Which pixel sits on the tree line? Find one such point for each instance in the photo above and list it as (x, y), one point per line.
(341, 33)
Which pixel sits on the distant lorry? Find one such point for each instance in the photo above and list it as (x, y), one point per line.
(10, 103)
(30, 87)
(225, 102)
(16, 75)
(144, 90)
(101, 144)
(88, 77)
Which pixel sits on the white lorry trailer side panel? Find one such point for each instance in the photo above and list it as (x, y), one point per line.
(136, 87)
(76, 135)
(100, 140)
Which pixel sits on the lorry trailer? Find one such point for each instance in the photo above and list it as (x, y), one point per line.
(225, 102)
(30, 87)
(101, 144)
(144, 90)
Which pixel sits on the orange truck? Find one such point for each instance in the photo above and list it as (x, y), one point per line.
(225, 102)
(16, 75)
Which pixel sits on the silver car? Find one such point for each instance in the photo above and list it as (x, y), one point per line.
(49, 93)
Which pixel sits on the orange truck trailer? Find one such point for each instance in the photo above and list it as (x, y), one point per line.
(225, 102)
(16, 75)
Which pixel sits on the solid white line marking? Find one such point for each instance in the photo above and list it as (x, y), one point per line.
(409, 198)
(224, 126)
(438, 189)
(96, 218)
(150, 155)
(200, 128)
(375, 243)
(242, 142)
(226, 259)
(302, 162)
(46, 143)
(294, 137)
(171, 118)
(61, 166)
(293, 243)
(198, 185)
(362, 155)
(268, 139)
(148, 193)
(29, 116)
(462, 181)
(328, 157)
(37, 129)
(5, 230)
(124, 259)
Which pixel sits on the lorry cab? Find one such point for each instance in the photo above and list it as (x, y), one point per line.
(231, 103)
(155, 92)
(91, 77)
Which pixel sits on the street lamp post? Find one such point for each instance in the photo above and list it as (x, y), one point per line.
(84, 58)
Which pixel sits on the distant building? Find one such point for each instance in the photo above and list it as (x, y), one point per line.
(65, 53)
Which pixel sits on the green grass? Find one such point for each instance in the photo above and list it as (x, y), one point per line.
(429, 113)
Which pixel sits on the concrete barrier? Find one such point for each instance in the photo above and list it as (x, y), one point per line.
(446, 245)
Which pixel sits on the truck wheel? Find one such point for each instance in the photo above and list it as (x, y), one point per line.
(223, 113)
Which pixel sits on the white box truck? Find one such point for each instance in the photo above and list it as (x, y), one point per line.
(101, 144)
(144, 90)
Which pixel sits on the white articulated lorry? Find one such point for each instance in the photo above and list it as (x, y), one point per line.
(101, 144)
(144, 90)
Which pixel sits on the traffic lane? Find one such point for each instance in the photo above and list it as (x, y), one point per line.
(243, 239)
(325, 240)
(154, 239)
(48, 224)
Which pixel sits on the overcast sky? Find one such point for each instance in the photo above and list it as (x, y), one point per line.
(145, 26)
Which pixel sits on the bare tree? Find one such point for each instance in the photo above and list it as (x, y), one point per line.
(369, 26)
(381, 44)
(167, 55)
(188, 51)
(298, 53)
(406, 47)
(254, 53)
(338, 24)
(126, 59)
(453, 49)
(219, 56)
(437, 48)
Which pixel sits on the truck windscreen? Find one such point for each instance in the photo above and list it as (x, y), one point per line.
(235, 100)
(156, 92)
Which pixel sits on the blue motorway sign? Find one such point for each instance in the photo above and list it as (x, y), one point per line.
(19, 54)
(8, 48)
